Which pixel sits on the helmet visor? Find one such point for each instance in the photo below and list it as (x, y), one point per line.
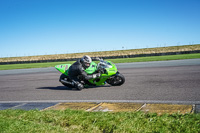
(87, 64)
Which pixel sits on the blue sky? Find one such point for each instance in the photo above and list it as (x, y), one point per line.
(39, 27)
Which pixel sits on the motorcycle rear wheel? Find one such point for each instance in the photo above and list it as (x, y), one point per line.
(64, 77)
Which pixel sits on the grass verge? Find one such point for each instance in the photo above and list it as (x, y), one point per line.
(176, 49)
(120, 60)
(73, 121)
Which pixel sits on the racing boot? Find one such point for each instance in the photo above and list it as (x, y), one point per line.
(78, 85)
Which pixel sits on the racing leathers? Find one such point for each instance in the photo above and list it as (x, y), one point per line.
(76, 72)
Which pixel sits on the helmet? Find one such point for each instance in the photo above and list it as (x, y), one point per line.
(85, 61)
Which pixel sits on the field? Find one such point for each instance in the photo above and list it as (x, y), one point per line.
(105, 53)
(120, 60)
(73, 121)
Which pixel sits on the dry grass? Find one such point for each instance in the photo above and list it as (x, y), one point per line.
(105, 53)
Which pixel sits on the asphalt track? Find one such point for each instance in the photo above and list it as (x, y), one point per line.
(176, 82)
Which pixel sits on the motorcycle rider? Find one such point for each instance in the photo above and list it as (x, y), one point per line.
(77, 71)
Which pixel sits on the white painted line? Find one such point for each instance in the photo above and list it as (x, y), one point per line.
(20, 105)
(112, 101)
(141, 107)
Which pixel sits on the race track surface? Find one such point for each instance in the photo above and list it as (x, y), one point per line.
(163, 81)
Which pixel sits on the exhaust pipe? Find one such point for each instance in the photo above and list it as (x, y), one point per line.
(66, 82)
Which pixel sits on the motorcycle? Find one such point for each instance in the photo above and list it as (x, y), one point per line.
(108, 74)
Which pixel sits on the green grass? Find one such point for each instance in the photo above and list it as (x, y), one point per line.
(157, 58)
(105, 53)
(119, 60)
(32, 65)
(73, 121)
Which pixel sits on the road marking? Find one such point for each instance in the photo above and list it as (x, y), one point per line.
(126, 107)
(99, 101)
(158, 108)
(17, 106)
(93, 108)
(141, 107)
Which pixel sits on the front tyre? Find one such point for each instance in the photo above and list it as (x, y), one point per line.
(116, 80)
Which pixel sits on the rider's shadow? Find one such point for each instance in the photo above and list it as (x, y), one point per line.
(58, 88)
(70, 89)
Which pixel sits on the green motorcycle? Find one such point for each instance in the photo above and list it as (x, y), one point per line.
(108, 70)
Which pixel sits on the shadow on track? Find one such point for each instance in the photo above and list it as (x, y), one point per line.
(70, 89)
(58, 88)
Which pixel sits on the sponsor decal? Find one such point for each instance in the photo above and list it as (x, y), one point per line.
(66, 67)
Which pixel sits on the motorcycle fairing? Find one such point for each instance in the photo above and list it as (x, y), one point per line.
(92, 68)
(104, 76)
(63, 68)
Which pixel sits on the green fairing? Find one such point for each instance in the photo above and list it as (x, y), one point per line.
(105, 76)
(63, 68)
(92, 68)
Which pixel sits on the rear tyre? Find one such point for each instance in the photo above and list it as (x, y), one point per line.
(116, 80)
(66, 78)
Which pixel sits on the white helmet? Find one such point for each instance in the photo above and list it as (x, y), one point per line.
(85, 61)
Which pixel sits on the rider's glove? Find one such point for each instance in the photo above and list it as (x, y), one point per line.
(96, 75)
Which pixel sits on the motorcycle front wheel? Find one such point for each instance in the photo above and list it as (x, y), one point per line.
(116, 80)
